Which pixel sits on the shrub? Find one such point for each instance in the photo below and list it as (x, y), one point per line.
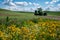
(35, 12)
(7, 20)
(45, 14)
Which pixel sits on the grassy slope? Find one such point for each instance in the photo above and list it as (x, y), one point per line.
(53, 13)
(16, 15)
(22, 15)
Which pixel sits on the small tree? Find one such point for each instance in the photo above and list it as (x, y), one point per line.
(35, 12)
(7, 20)
(45, 14)
(40, 11)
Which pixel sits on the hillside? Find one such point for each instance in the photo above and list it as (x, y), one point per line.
(56, 13)
(27, 15)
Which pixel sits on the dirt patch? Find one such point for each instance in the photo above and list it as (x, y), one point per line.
(8, 15)
(52, 17)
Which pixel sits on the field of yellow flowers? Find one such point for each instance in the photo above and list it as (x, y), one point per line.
(36, 29)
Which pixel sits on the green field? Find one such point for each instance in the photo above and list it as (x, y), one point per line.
(20, 16)
(16, 25)
(53, 13)
(17, 14)
(23, 16)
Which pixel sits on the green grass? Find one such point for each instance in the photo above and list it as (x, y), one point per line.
(18, 15)
(53, 13)
(23, 15)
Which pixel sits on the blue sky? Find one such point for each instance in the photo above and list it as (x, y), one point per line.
(30, 5)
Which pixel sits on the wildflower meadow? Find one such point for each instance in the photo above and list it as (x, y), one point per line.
(35, 29)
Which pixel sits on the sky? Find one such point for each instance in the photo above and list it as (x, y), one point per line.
(30, 5)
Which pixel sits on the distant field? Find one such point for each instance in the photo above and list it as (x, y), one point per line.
(53, 13)
(23, 15)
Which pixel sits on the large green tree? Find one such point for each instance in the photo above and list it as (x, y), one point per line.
(35, 12)
(39, 9)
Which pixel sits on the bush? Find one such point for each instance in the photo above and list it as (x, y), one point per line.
(7, 21)
(40, 13)
(45, 14)
(35, 12)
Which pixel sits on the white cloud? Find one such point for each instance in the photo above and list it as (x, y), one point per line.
(12, 4)
(35, 4)
(51, 5)
(20, 6)
(58, 5)
(25, 6)
(27, 3)
(54, 1)
(30, 3)
(52, 8)
(21, 3)
(8, 2)
(46, 2)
